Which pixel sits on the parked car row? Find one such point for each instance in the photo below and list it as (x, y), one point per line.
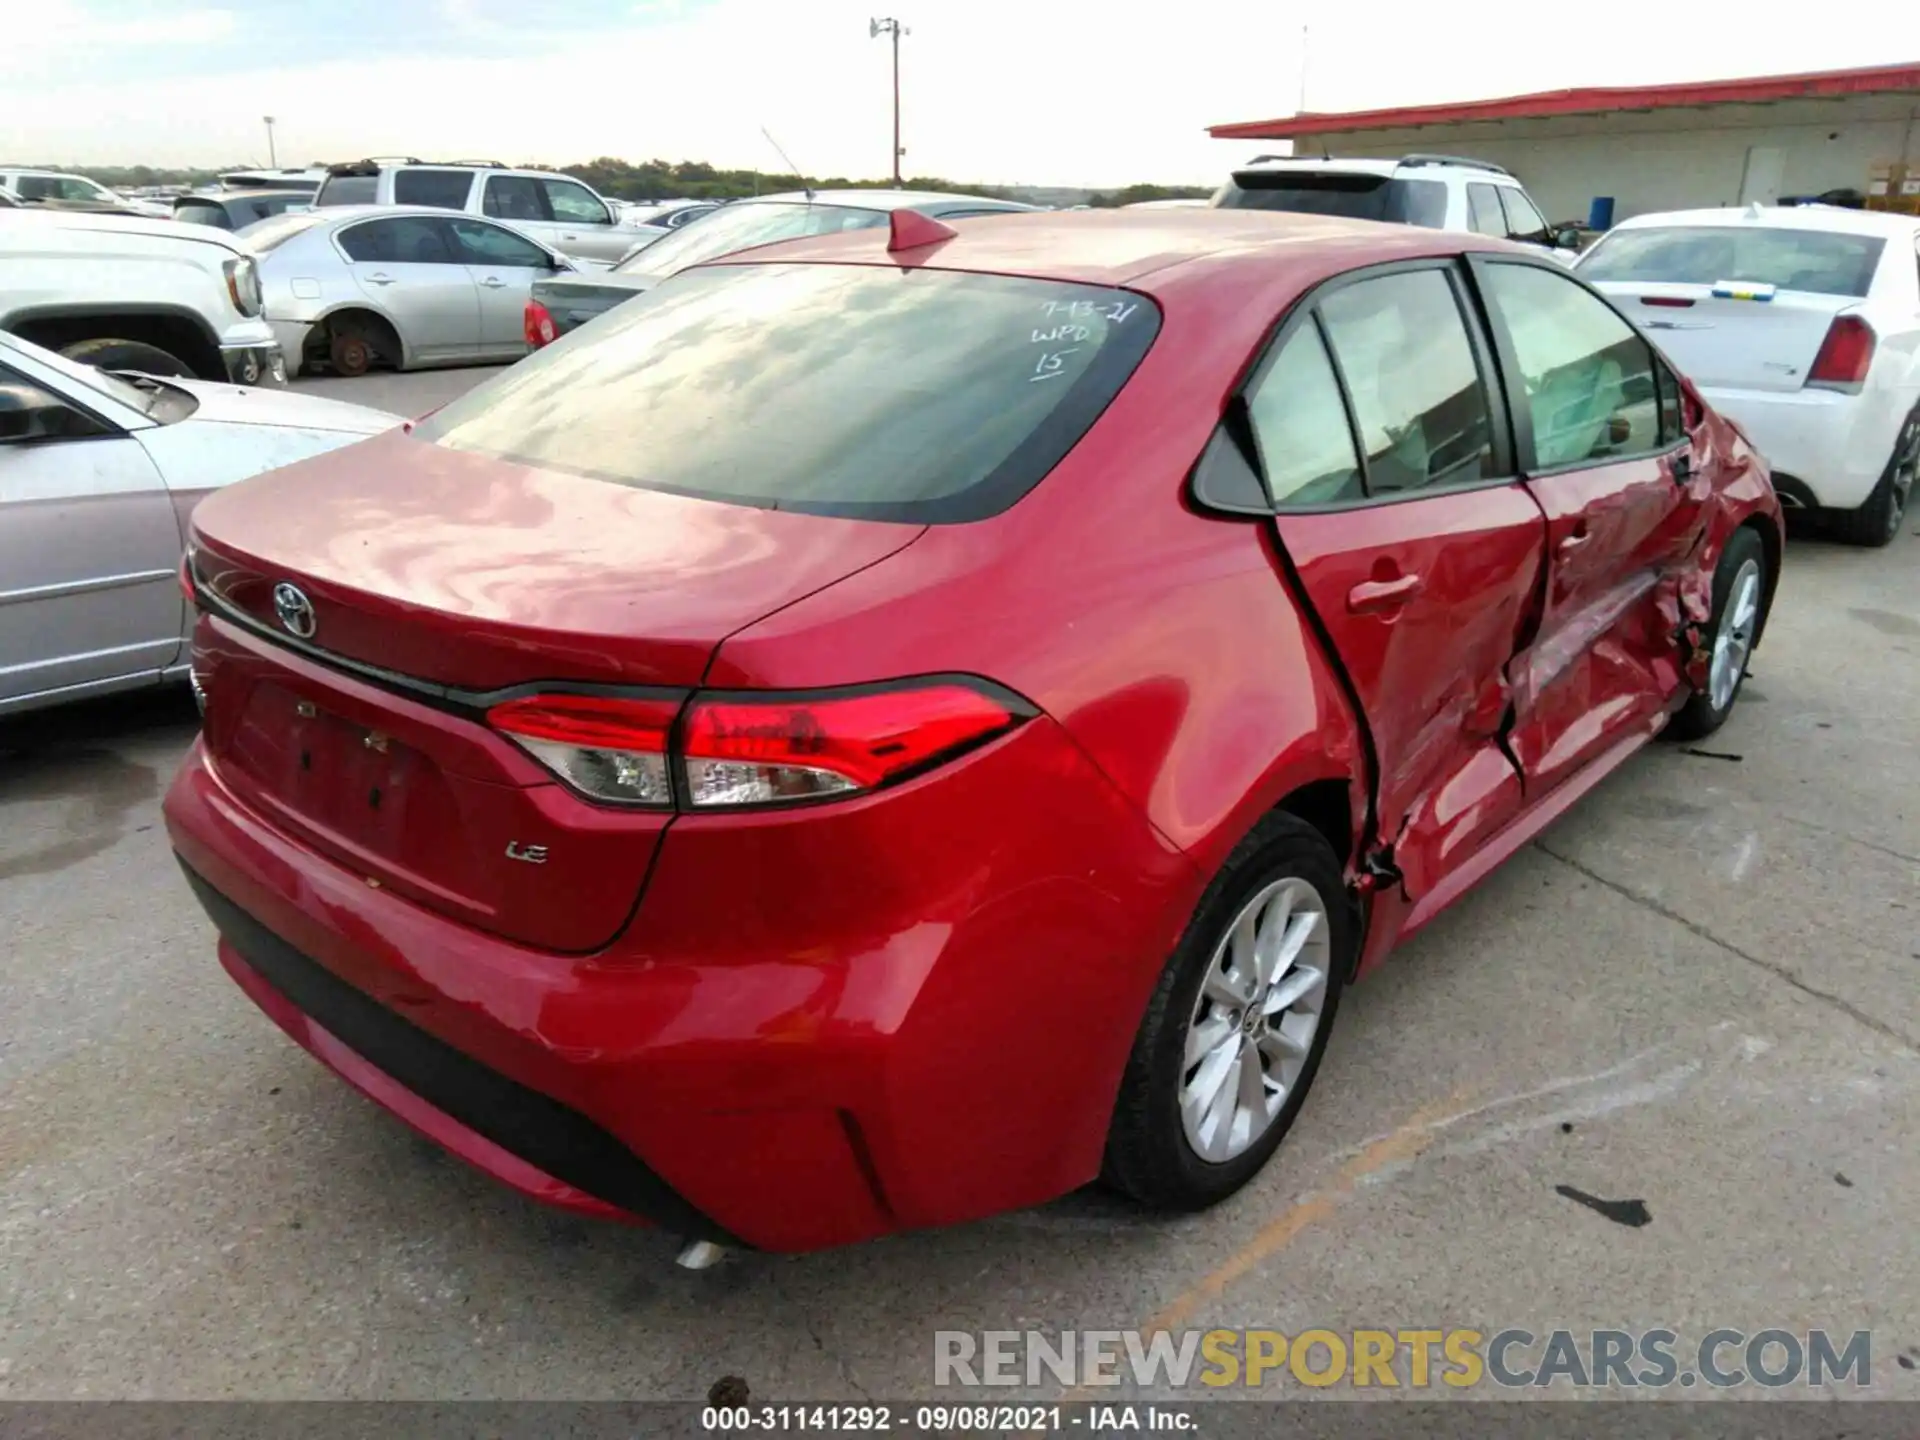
(772, 573)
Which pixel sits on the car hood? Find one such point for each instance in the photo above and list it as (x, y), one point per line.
(281, 409)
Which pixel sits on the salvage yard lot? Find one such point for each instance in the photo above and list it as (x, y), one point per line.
(1697, 990)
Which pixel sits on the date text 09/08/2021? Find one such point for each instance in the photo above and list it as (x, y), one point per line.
(946, 1419)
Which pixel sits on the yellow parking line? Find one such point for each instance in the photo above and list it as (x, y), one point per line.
(1402, 1144)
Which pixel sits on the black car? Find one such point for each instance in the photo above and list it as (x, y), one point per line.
(237, 209)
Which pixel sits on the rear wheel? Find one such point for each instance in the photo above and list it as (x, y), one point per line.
(350, 352)
(110, 354)
(1236, 1027)
(1878, 521)
(1739, 593)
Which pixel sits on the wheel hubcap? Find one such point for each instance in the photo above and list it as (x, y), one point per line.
(1255, 1019)
(1734, 642)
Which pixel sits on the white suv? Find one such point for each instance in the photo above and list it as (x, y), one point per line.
(557, 209)
(1441, 192)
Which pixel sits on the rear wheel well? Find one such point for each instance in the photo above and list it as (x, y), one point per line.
(1326, 805)
(380, 334)
(179, 335)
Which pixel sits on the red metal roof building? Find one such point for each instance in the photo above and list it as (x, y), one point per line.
(1650, 147)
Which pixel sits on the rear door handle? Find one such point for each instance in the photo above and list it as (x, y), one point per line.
(380, 277)
(494, 282)
(1570, 543)
(1370, 597)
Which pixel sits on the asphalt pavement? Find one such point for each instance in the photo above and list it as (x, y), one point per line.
(1697, 991)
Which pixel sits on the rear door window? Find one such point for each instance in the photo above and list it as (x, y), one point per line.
(1300, 426)
(1417, 392)
(914, 395)
(403, 240)
(515, 197)
(442, 189)
(1483, 209)
(1589, 376)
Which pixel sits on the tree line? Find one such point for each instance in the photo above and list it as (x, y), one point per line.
(678, 180)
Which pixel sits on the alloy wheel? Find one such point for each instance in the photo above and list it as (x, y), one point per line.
(1255, 1018)
(1739, 619)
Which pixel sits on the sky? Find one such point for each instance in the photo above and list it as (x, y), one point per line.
(1042, 92)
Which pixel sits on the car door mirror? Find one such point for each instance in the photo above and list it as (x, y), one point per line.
(1566, 239)
(28, 412)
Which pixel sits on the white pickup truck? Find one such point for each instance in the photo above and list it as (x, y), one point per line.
(127, 293)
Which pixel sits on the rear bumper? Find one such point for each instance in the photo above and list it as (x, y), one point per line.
(821, 1050)
(1833, 444)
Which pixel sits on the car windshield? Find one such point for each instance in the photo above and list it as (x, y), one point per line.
(914, 395)
(1354, 195)
(743, 225)
(1822, 262)
(203, 212)
(265, 236)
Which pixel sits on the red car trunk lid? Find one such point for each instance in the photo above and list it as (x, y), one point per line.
(440, 577)
(467, 571)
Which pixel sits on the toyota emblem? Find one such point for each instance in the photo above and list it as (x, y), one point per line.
(294, 609)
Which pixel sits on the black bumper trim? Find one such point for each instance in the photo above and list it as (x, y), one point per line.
(551, 1137)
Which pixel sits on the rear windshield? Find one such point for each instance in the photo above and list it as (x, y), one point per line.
(348, 190)
(203, 212)
(917, 395)
(1822, 262)
(745, 224)
(1355, 196)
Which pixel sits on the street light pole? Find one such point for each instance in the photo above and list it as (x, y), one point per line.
(273, 160)
(895, 29)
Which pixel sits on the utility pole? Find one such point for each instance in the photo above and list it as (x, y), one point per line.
(893, 28)
(273, 160)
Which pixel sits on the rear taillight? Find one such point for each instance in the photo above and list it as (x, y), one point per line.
(1674, 302)
(612, 749)
(537, 323)
(739, 748)
(186, 579)
(746, 750)
(1845, 355)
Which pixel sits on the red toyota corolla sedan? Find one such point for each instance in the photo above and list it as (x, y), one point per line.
(890, 728)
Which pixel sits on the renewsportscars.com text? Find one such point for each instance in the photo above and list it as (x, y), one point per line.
(1411, 1359)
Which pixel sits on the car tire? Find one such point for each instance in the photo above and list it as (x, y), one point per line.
(108, 354)
(1739, 610)
(1161, 1148)
(1877, 521)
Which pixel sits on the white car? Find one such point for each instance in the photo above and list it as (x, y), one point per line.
(353, 286)
(57, 185)
(1800, 324)
(98, 474)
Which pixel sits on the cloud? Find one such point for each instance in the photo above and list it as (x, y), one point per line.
(67, 30)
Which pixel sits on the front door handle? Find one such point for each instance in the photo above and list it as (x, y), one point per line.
(494, 282)
(1370, 597)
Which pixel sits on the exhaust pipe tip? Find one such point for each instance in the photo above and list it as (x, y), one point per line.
(701, 1255)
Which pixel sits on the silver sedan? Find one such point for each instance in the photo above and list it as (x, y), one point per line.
(354, 286)
(98, 474)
